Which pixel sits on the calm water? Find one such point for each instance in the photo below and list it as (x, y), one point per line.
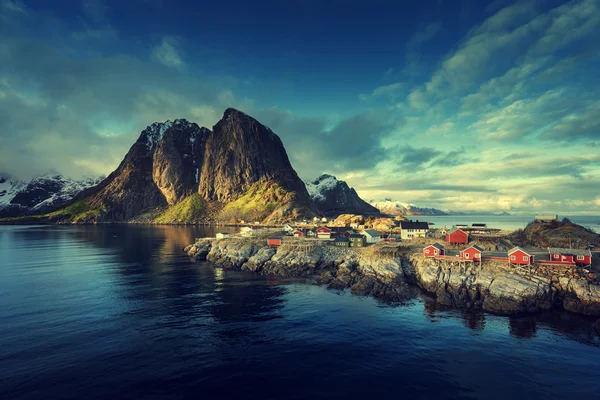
(119, 312)
(504, 222)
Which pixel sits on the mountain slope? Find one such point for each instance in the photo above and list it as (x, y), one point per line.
(396, 208)
(178, 172)
(334, 197)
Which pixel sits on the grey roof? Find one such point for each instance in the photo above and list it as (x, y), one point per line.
(437, 246)
(518, 248)
(341, 239)
(575, 252)
(371, 232)
(356, 235)
(414, 225)
(475, 247)
(479, 225)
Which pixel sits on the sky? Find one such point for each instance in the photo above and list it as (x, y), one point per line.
(452, 104)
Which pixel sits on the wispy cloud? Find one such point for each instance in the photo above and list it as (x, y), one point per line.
(168, 53)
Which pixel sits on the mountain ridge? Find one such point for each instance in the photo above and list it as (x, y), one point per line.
(335, 197)
(199, 172)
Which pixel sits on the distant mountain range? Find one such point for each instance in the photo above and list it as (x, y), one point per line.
(333, 197)
(39, 195)
(394, 208)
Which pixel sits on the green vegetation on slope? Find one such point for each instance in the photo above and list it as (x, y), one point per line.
(189, 210)
(257, 203)
(78, 212)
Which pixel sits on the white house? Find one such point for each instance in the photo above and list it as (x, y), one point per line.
(222, 235)
(413, 229)
(288, 228)
(311, 233)
(371, 235)
(323, 219)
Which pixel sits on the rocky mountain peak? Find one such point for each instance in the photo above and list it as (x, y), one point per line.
(333, 196)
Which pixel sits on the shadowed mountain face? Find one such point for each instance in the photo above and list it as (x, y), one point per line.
(333, 197)
(179, 172)
(241, 152)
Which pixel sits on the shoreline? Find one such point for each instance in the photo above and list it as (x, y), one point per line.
(493, 288)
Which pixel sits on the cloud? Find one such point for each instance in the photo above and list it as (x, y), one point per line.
(584, 124)
(391, 90)
(425, 34)
(167, 53)
(351, 144)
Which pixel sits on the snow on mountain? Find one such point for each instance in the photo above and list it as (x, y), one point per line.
(41, 194)
(334, 197)
(319, 188)
(397, 208)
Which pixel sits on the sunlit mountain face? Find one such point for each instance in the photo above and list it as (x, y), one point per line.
(473, 105)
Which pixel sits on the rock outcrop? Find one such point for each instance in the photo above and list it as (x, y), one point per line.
(500, 289)
(494, 288)
(336, 268)
(555, 234)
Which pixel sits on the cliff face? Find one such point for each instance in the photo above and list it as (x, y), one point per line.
(178, 172)
(334, 197)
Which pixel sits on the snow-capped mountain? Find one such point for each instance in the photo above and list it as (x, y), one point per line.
(41, 194)
(396, 208)
(332, 196)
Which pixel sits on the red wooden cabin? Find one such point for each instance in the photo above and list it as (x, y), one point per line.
(298, 234)
(472, 253)
(575, 256)
(457, 236)
(433, 250)
(274, 242)
(519, 256)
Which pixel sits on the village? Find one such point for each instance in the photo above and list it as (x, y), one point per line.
(461, 243)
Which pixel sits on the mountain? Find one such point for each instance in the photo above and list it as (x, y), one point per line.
(334, 197)
(42, 194)
(179, 172)
(396, 208)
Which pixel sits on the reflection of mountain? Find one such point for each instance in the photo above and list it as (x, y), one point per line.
(153, 268)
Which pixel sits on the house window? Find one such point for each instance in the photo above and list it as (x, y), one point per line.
(556, 256)
(525, 258)
(513, 258)
(435, 252)
(426, 251)
(581, 258)
(466, 255)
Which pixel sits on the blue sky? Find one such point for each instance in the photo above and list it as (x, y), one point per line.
(466, 105)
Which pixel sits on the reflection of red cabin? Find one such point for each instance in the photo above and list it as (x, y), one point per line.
(274, 242)
(433, 250)
(457, 236)
(324, 233)
(298, 234)
(576, 256)
(519, 256)
(472, 253)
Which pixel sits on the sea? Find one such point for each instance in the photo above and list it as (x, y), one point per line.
(120, 312)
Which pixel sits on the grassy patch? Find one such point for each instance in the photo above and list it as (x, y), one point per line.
(78, 212)
(257, 203)
(190, 209)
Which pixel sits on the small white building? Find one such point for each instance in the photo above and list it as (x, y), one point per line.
(413, 229)
(323, 219)
(248, 231)
(311, 233)
(372, 236)
(222, 235)
(288, 228)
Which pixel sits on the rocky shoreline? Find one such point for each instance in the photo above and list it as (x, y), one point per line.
(494, 288)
